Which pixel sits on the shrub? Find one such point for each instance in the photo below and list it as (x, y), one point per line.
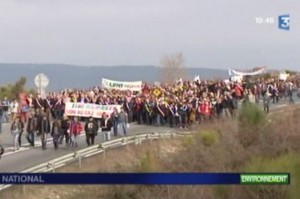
(251, 123)
(149, 163)
(289, 162)
(188, 141)
(251, 115)
(12, 91)
(209, 137)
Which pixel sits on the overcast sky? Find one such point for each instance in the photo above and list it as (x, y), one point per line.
(210, 33)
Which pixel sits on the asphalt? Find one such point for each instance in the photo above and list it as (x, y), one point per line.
(28, 157)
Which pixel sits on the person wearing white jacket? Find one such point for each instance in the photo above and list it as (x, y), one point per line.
(14, 108)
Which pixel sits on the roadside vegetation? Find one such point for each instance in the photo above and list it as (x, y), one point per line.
(12, 91)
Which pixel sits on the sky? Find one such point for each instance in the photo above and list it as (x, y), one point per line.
(209, 33)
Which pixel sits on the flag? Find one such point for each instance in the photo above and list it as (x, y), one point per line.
(179, 81)
(197, 78)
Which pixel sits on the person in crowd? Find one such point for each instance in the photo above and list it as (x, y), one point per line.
(148, 111)
(44, 130)
(14, 106)
(171, 114)
(2, 150)
(106, 126)
(226, 106)
(115, 121)
(1, 117)
(65, 126)
(91, 129)
(123, 121)
(191, 114)
(21, 131)
(48, 106)
(58, 108)
(39, 103)
(6, 105)
(15, 131)
(31, 128)
(219, 108)
(290, 92)
(75, 130)
(56, 133)
(24, 107)
(128, 107)
(205, 108)
(183, 108)
(30, 101)
(160, 115)
(138, 107)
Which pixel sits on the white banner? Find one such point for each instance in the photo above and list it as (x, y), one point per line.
(283, 76)
(257, 71)
(121, 85)
(89, 110)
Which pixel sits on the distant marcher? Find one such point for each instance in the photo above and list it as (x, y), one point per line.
(91, 129)
(44, 131)
(14, 106)
(21, 132)
(31, 128)
(24, 107)
(65, 125)
(115, 121)
(1, 117)
(123, 121)
(106, 126)
(39, 103)
(15, 131)
(266, 101)
(290, 93)
(75, 130)
(1, 151)
(6, 105)
(58, 108)
(56, 133)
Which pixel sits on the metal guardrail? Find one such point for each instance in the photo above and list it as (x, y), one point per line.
(96, 149)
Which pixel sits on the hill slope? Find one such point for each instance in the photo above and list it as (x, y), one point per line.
(69, 76)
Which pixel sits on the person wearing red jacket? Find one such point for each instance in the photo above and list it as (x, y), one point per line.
(205, 108)
(74, 130)
(238, 89)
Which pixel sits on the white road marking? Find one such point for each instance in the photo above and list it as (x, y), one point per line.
(25, 147)
(281, 105)
(16, 151)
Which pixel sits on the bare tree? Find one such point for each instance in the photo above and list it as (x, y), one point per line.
(172, 68)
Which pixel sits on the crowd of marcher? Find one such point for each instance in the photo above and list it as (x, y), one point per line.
(176, 105)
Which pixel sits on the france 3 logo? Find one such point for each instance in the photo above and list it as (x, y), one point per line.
(284, 22)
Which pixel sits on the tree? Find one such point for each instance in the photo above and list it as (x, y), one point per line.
(12, 91)
(18, 87)
(173, 68)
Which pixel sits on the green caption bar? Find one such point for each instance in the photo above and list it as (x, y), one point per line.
(265, 179)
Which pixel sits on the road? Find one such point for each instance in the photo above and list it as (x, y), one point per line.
(27, 157)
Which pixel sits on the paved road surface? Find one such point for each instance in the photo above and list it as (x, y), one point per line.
(23, 159)
(27, 157)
